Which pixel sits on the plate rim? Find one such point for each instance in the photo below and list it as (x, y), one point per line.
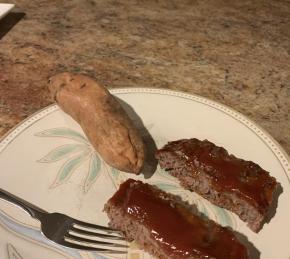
(265, 136)
(267, 139)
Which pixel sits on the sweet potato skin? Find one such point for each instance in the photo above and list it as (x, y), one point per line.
(105, 123)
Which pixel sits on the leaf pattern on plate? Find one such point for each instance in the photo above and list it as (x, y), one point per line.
(221, 215)
(63, 133)
(77, 153)
(69, 167)
(166, 176)
(202, 209)
(62, 152)
(12, 252)
(115, 172)
(166, 186)
(94, 171)
(74, 154)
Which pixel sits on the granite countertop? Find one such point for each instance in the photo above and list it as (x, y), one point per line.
(233, 52)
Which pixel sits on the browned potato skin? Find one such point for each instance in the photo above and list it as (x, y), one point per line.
(103, 120)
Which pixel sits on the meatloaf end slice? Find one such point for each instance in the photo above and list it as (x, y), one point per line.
(165, 227)
(240, 186)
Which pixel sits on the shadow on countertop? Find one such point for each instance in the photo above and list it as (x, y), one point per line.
(8, 22)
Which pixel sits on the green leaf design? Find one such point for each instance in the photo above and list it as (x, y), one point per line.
(63, 133)
(202, 208)
(115, 173)
(62, 152)
(69, 167)
(165, 175)
(94, 171)
(12, 252)
(166, 186)
(223, 217)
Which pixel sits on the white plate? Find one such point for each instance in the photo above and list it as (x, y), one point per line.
(5, 9)
(46, 160)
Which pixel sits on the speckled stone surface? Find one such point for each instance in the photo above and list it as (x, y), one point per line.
(233, 52)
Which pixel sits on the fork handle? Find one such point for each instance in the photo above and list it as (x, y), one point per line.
(31, 209)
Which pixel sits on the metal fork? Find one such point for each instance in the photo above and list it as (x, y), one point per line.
(65, 230)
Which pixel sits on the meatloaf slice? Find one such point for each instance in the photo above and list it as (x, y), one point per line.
(240, 186)
(166, 228)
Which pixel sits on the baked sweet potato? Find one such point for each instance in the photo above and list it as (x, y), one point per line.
(105, 123)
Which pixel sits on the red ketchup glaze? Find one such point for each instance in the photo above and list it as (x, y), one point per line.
(227, 172)
(177, 231)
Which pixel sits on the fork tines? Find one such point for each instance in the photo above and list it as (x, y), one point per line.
(82, 231)
(87, 236)
(96, 227)
(85, 247)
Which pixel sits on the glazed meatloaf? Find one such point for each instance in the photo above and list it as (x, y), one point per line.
(166, 228)
(240, 186)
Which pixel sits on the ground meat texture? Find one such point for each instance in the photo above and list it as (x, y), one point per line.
(240, 186)
(165, 227)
